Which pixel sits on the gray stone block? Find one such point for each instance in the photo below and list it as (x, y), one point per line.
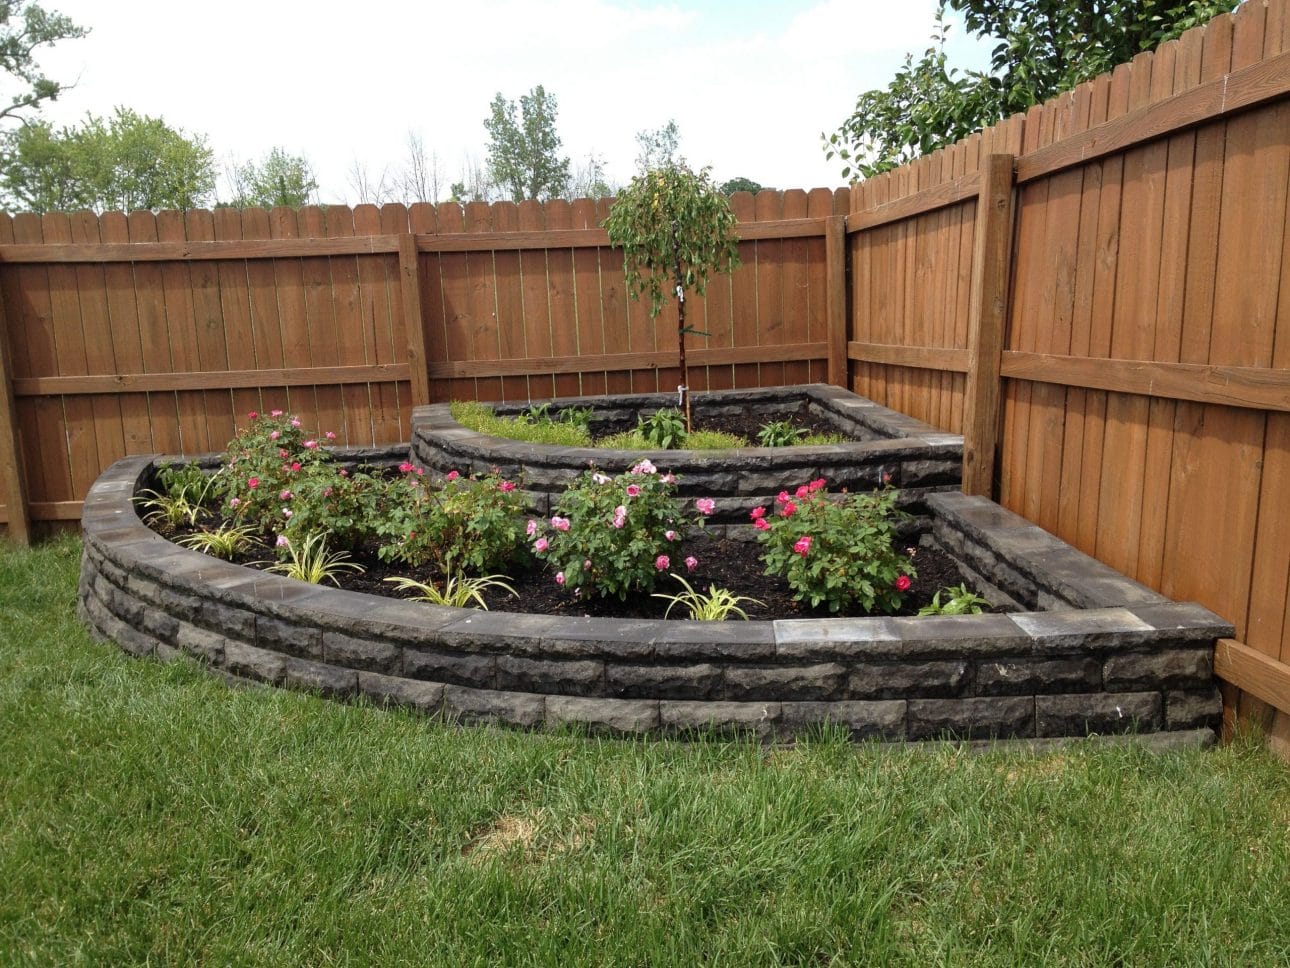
(1166, 669)
(326, 680)
(1101, 713)
(980, 718)
(1080, 630)
(201, 643)
(303, 641)
(702, 680)
(835, 639)
(617, 716)
(587, 637)
(425, 697)
(1016, 677)
(738, 641)
(758, 718)
(905, 680)
(465, 705)
(883, 720)
(960, 636)
(1193, 708)
(459, 668)
(564, 677)
(360, 654)
(822, 681)
(159, 624)
(248, 662)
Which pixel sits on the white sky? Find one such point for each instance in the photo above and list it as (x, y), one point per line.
(751, 85)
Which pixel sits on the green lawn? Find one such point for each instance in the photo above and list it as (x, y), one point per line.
(148, 813)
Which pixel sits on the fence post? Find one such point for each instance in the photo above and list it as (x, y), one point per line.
(835, 297)
(987, 322)
(13, 481)
(413, 319)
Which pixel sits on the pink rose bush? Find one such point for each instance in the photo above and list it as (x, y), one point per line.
(609, 536)
(835, 552)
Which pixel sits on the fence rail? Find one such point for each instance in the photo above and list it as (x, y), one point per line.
(1093, 293)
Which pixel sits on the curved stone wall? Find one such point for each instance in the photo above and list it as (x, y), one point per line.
(1114, 657)
(916, 457)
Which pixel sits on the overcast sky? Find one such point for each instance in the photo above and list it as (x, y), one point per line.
(751, 85)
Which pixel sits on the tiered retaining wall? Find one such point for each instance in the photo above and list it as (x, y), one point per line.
(1111, 657)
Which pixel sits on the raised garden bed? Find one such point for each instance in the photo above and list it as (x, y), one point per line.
(1090, 652)
(914, 456)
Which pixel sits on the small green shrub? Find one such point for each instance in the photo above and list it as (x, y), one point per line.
(836, 553)
(959, 601)
(614, 535)
(664, 429)
(457, 591)
(223, 542)
(265, 463)
(822, 439)
(779, 433)
(624, 440)
(469, 525)
(309, 560)
(715, 606)
(185, 496)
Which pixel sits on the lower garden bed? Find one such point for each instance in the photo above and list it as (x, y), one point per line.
(1089, 651)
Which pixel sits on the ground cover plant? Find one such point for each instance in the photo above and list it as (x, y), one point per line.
(151, 814)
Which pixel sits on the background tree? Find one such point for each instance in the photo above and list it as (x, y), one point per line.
(24, 28)
(675, 228)
(126, 162)
(524, 149)
(589, 179)
(421, 179)
(1043, 47)
(280, 179)
(740, 184)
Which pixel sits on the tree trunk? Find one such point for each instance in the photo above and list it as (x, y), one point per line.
(683, 391)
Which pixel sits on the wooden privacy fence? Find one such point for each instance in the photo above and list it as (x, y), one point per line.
(142, 333)
(1131, 325)
(1095, 294)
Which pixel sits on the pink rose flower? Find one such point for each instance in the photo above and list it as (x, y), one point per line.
(782, 497)
(662, 562)
(803, 545)
(330, 435)
(559, 578)
(691, 563)
(540, 545)
(253, 483)
(405, 467)
(506, 486)
(274, 435)
(817, 484)
(451, 476)
(560, 524)
(761, 524)
(287, 512)
(801, 492)
(644, 467)
(295, 422)
(295, 465)
(620, 516)
(669, 535)
(668, 478)
(705, 505)
(600, 478)
(234, 502)
(633, 490)
(311, 444)
(275, 413)
(252, 415)
(903, 583)
(284, 495)
(531, 528)
(282, 542)
(757, 513)
(788, 510)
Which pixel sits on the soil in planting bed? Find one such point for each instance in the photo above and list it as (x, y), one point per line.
(723, 562)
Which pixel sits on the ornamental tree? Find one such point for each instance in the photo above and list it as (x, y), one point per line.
(675, 228)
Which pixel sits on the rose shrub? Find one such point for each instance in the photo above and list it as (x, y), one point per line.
(835, 552)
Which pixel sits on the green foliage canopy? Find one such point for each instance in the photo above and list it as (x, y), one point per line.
(281, 179)
(740, 184)
(1043, 47)
(675, 228)
(524, 149)
(24, 28)
(128, 161)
